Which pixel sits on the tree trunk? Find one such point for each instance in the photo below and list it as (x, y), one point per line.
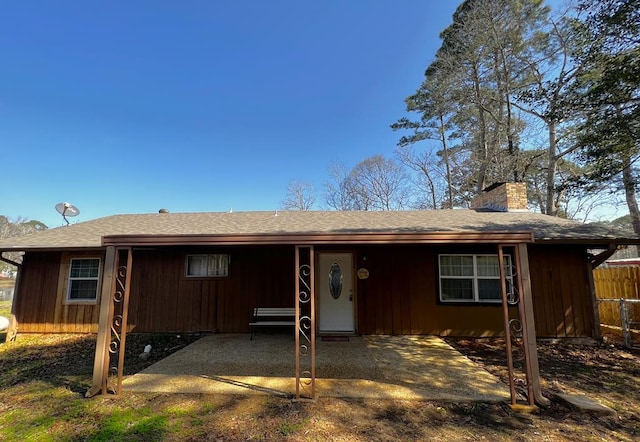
(484, 149)
(630, 194)
(445, 156)
(550, 207)
(503, 79)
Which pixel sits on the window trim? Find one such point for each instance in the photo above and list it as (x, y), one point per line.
(68, 299)
(207, 276)
(476, 292)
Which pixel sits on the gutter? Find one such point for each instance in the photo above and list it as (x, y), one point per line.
(601, 257)
(8, 261)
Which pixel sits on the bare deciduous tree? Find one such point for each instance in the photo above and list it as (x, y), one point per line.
(16, 227)
(337, 190)
(428, 180)
(300, 196)
(376, 183)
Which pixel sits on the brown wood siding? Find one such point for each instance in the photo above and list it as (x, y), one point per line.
(163, 299)
(401, 296)
(41, 305)
(561, 294)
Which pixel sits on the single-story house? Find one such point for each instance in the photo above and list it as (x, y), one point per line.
(398, 272)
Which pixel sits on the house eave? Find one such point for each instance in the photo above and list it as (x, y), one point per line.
(590, 242)
(52, 249)
(326, 238)
(321, 238)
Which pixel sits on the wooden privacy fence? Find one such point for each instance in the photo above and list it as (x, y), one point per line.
(617, 290)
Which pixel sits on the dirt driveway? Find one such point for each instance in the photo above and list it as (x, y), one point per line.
(394, 367)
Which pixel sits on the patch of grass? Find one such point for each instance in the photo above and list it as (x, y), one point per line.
(5, 308)
(131, 425)
(35, 410)
(288, 428)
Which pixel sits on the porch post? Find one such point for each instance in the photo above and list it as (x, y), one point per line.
(305, 326)
(123, 289)
(528, 323)
(507, 324)
(12, 331)
(101, 359)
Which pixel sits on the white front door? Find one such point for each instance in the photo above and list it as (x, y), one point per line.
(335, 283)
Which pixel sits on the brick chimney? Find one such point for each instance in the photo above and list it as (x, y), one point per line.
(502, 197)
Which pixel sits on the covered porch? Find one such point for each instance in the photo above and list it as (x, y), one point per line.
(381, 367)
(389, 357)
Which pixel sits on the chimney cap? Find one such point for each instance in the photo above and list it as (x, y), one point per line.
(493, 186)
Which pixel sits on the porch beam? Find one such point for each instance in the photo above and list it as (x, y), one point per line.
(101, 358)
(507, 238)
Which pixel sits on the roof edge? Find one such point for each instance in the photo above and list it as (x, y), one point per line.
(322, 238)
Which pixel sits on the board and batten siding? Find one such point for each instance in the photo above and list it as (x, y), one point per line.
(164, 299)
(561, 291)
(400, 296)
(41, 305)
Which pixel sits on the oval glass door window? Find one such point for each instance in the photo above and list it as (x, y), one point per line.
(335, 280)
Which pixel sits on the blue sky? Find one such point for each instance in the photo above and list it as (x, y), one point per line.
(130, 106)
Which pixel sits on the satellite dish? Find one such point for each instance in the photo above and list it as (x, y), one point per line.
(67, 209)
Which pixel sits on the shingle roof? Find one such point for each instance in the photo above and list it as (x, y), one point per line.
(89, 233)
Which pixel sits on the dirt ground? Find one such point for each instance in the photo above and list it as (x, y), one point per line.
(606, 372)
(44, 378)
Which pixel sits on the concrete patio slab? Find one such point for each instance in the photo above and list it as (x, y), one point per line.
(584, 404)
(392, 367)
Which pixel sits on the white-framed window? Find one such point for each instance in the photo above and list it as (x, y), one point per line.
(84, 280)
(473, 278)
(212, 265)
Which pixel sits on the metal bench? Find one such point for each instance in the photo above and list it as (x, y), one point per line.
(272, 317)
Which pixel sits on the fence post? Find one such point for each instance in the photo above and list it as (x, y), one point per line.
(624, 322)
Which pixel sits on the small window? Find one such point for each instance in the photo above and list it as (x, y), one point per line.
(473, 278)
(214, 266)
(84, 277)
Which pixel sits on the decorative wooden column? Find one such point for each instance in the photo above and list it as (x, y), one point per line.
(112, 325)
(521, 329)
(305, 324)
(529, 326)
